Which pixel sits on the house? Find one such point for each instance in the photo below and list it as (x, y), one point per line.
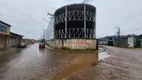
(14, 39)
(4, 34)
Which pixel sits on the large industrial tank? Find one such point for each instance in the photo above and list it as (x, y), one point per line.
(75, 21)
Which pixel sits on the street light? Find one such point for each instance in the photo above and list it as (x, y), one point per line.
(45, 19)
(43, 33)
(50, 14)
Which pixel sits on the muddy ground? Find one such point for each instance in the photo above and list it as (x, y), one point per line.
(124, 64)
(32, 63)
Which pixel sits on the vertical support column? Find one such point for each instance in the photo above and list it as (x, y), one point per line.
(65, 22)
(84, 21)
(94, 35)
(94, 20)
(54, 28)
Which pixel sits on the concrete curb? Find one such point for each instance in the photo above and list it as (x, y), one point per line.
(87, 51)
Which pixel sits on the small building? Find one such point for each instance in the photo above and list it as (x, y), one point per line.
(108, 40)
(121, 42)
(14, 39)
(4, 34)
(139, 41)
(130, 41)
(27, 41)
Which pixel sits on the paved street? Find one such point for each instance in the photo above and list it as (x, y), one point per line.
(31, 63)
(124, 64)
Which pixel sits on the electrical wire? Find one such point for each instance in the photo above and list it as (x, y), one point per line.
(17, 18)
(25, 21)
(85, 1)
(131, 31)
(24, 31)
(13, 16)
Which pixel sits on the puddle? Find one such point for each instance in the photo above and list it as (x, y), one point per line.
(102, 54)
(80, 63)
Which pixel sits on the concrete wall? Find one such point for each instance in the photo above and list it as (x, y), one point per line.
(13, 42)
(131, 42)
(73, 43)
(121, 42)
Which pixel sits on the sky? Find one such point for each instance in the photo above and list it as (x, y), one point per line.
(26, 16)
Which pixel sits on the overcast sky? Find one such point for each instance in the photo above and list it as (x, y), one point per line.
(25, 16)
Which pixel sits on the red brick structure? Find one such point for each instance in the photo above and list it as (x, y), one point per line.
(4, 34)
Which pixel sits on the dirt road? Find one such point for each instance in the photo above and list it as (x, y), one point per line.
(124, 64)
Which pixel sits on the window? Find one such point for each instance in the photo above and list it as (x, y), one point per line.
(3, 28)
(109, 38)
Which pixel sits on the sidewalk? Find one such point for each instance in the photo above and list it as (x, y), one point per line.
(49, 48)
(68, 50)
(9, 50)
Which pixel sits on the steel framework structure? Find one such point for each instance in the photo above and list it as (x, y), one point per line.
(74, 33)
(75, 15)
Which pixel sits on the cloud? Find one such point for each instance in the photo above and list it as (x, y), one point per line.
(26, 15)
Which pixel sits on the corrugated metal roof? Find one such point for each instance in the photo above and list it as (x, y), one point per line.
(5, 23)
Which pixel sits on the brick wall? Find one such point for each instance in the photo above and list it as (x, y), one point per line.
(3, 41)
(6, 33)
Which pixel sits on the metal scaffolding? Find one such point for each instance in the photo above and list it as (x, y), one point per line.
(75, 33)
(83, 15)
(75, 15)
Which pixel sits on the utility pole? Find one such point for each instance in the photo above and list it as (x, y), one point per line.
(66, 22)
(118, 31)
(44, 34)
(52, 17)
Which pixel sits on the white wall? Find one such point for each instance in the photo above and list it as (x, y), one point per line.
(73, 43)
(131, 42)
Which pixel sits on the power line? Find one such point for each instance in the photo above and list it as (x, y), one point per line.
(75, 1)
(19, 20)
(136, 30)
(24, 31)
(16, 18)
(13, 16)
(132, 30)
(86, 1)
